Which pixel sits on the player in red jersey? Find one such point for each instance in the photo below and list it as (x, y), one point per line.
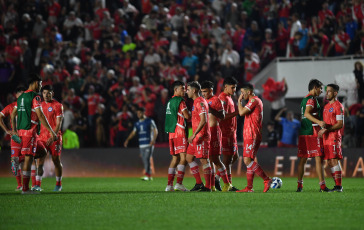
(53, 111)
(216, 112)
(16, 157)
(228, 128)
(199, 142)
(333, 116)
(253, 112)
(175, 125)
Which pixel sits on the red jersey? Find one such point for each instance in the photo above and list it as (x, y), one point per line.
(180, 130)
(200, 107)
(36, 103)
(8, 110)
(215, 103)
(333, 112)
(253, 120)
(92, 103)
(341, 42)
(52, 110)
(228, 127)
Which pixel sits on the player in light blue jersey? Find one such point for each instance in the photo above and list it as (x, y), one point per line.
(147, 132)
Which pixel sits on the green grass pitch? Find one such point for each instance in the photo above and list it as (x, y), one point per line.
(128, 203)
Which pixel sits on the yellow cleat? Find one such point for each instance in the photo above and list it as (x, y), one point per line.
(213, 188)
(227, 187)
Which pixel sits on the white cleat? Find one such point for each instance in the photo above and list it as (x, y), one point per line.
(180, 187)
(169, 188)
(29, 192)
(145, 178)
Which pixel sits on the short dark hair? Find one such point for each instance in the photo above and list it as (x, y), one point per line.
(314, 83)
(33, 77)
(194, 84)
(177, 84)
(207, 85)
(248, 86)
(47, 87)
(230, 81)
(20, 89)
(335, 87)
(141, 109)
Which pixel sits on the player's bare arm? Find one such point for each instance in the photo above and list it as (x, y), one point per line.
(338, 125)
(309, 116)
(131, 135)
(218, 114)
(44, 121)
(242, 110)
(155, 134)
(229, 116)
(3, 126)
(279, 114)
(14, 113)
(203, 122)
(186, 114)
(59, 121)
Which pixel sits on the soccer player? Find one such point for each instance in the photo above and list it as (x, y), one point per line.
(309, 144)
(228, 129)
(333, 117)
(16, 157)
(253, 112)
(216, 112)
(29, 114)
(53, 111)
(175, 125)
(199, 141)
(147, 132)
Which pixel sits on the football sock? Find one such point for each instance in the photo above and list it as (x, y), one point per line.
(218, 175)
(207, 175)
(229, 174)
(38, 180)
(333, 172)
(180, 173)
(58, 181)
(322, 185)
(223, 175)
(300, 184)
(26, 178)
(337, 174)
(250, 175)
(18, 177)
(259, 171)
(171, 174)
(212, 177)
(33, 173)
(195, 171)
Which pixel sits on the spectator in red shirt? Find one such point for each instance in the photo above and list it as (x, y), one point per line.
(93, 100)
(341, 41)
(54, 11)
(124, 123)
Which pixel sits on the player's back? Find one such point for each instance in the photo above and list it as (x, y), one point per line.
(253, 120)
(180, 130)
(27, 119)
(307, 125)
(228, 127)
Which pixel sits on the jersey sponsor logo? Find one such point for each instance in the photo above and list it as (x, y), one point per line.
(50, 109)
(331, 109)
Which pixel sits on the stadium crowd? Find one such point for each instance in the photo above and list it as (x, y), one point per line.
(107, 58)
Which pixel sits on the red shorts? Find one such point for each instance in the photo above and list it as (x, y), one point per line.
(28, 145)
(229, 145)
(177, 145)
(215, 143)
(54, 149)
(309, 146)
(332, 150)
(251, 147)
(15, 149)
(200, 149)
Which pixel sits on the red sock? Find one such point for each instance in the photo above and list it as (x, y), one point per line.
(18, 177)
(212, 177)
(337, 178)
(322, 185)
(196, 172)
(38, 180)
(180, 173)
(218, 175)
(58, 181)
(207, 175)
(26, 179)
(223, 175)
(300, 184)
(259, 171)
(34, 181)
(250, 176)
(229, 178)
(171, 174)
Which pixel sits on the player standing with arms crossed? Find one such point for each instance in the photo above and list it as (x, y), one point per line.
(199, 142)
(29, 114)
(334, 118)
(309, 144)
(16, 157)
(253, 112)
(228, 129)
(216, 111)
(175, 125)
(147, 132)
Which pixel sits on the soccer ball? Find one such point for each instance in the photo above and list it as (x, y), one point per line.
(276, 182)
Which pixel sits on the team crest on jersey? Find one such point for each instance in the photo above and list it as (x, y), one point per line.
(193, 108)
(210, 102)
(50, 109)
(12, 152)
(331, 109)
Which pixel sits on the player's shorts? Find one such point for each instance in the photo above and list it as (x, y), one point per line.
(54, 149)
(28, 145)
(177, 145)
(15, 149)
(309, 146)
(251, 147)
(200, 149)
(215, 143)
(332, 150)
(229, 145)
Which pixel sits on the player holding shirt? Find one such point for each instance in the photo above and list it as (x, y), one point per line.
(175, 125)
(309, 144)
(199, 142)
(216, 112)
(253, 112)
(228, 128)
(53, 111)
(16, 157)
(334, 118)
(147, 132)
(29, 114)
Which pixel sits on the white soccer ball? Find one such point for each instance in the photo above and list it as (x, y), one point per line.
(276, 182)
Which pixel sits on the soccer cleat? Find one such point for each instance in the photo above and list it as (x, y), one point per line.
(14, 165)
(299, 189)
(246, 189)
(267, 184)
(197, 187)
(204, 189)
(233, 189)
(38, 188)
(337, 189)
(217, 184)
(227, 187)
(326, 189)
(19, 188)
(180, 187)
(58, 188)
(169, 188)
(146, 178)
(34, 188)
(29, 192)
(213, 189)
